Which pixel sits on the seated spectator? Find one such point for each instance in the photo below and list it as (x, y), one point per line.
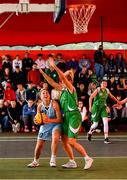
(18, 77)
(29, 112)
(91, 76)
(112, 85)
(122, 86)
(84, 61)
(9, 94)
(0, 69)
(110, 65)
(120, 63)
(34, 75)
(41, 63)
(1, 92)
(6, 62)
(14, 116)
(116, 114)
(31, 92)
(16, 62)
(60, 62)
(53, 74)
(82, 77)
(85, 122)
(20, 97)
(91, 88)
(4, 120)
(6, 76)
(73, 63)
(82, 94)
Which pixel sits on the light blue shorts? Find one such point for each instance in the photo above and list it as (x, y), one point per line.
(46, 131)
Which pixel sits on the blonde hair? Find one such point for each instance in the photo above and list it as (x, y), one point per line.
(69, 73)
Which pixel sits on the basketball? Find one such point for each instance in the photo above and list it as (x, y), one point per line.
(38, 119)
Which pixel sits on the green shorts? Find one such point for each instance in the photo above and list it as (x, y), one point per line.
(71, 124)
(98, 112)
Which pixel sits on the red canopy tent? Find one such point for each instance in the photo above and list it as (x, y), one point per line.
(39, 28)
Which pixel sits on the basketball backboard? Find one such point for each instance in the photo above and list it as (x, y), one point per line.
(60, 7)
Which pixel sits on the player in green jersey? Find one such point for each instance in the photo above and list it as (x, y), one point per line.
(72, 117)
(98, 109)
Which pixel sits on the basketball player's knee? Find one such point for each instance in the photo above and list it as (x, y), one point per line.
(94, 125)
(55, 140)
(71, 142)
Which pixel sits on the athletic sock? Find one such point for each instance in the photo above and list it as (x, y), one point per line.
(53, 157)
(36, 160)
(106, 135)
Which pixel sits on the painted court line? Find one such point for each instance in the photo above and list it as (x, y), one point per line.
(79, 137)
(34, 140)
(47, 158)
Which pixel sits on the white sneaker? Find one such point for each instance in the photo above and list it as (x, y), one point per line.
(70, 164)
(52, 164)
(33, 164)
(88, 164)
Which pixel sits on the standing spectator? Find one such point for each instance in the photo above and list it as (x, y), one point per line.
(4, 121)
(16, 62)
(99, 59)
(29, 111)
(84, 61)
(34, 75)
(27, 63)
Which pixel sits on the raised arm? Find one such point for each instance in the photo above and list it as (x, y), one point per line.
(50, 80)
(63, 78)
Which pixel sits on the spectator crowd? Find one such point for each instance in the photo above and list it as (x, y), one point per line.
(21, 82)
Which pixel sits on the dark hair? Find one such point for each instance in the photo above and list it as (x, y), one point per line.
(40, 54)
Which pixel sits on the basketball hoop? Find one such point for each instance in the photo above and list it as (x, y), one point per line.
(81, 15)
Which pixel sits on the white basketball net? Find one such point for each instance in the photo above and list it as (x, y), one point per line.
(81, 15)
